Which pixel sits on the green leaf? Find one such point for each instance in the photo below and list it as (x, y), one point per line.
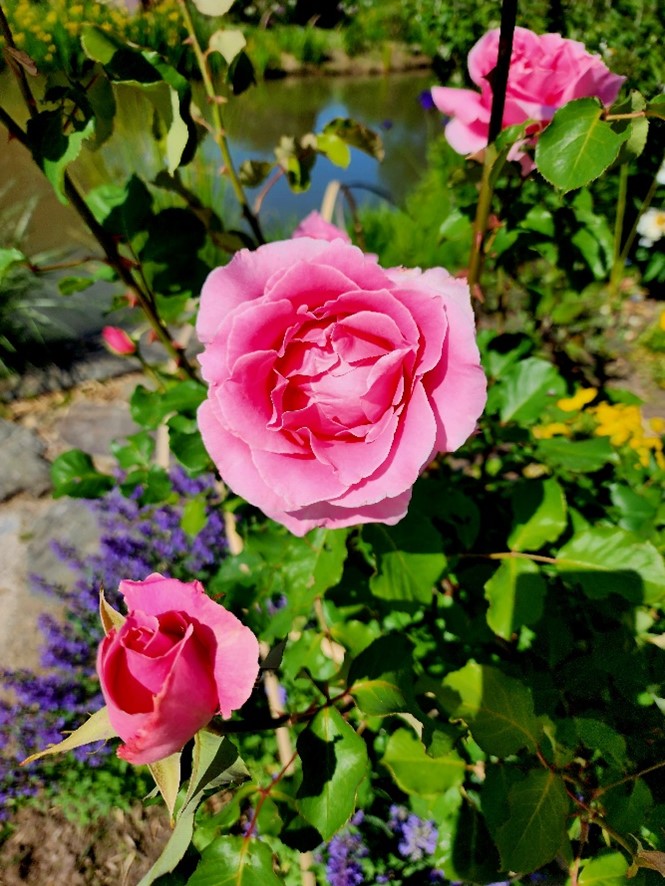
(235, 861)
(536, 824)
(415, 772)
(539, 509)
(600, 737)
(336, 150)
(215, 763)
(227, 43)
(253, 172)
(606, 559)
(70, 285)
(527, 388)
(627, 812)
(296, 157)
(334, 762)
(149, 408)
(637, 510)
(516, 593)
(605, 870)
(187, 445)
(194, 517)
(169, 92)
(73, 473)
(213, 7)
(498, 709)
(380, 679)
(409, 559)
(577, 146)
(656, 107)
(579, 456)
(52, 149)
(299, 568)
(122, 209)
(96, 728)
(166, 774)
(356, 135)
(9, 257)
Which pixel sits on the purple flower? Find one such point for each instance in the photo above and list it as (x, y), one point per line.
(343, 867)
(417, 837)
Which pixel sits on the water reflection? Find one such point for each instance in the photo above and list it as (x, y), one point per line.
(255, 122)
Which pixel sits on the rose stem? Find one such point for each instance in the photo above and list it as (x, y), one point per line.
(499, 84)
(219, 133)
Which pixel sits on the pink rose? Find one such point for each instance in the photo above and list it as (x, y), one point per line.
(314, 225)
(118, 341)
(546, 72)
(333, 382)
(178, 659)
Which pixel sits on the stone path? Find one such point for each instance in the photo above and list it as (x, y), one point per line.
(32, 434)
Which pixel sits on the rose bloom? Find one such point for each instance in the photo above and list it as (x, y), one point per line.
(314, 225)
(546, 72)
(333, 382)
(178, 659)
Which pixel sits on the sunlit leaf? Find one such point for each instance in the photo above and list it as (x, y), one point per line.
(536, 823)
(235, 861)
(334, 762)
(498, 709)
(417, 773)
(578, 145)
(227, 43)
(515, 593)
(96, 728)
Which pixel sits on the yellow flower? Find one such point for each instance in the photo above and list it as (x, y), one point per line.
(553, 429)
(661, 321)
(657, 425)
(578, 401)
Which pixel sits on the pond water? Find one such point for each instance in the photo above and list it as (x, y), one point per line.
(255, 122)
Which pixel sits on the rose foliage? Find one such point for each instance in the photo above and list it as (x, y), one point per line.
(443, 539)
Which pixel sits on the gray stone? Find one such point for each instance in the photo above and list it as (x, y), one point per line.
(69, 521)
(22, 468)
(93, 426)
(20, 639)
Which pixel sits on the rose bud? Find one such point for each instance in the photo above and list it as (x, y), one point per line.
(117, 341)
(178, 659)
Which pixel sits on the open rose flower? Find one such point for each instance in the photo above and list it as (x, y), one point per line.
(333, 382)
(546, 72)
(178, 659)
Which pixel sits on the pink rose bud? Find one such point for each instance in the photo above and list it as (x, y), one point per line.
(546, 72)
(178, 659)
(118, 341)
(332, 382)
(314, 225)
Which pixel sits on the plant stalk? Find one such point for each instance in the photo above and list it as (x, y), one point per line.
(219, 133)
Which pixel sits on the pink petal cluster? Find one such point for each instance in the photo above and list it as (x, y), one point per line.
(117, 341)
(314, 225)
(546, 72)
(333, 382)
(178, 659)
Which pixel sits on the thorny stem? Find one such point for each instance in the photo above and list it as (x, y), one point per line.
(499, 85)
(617, 263)
(608, 787)
(507, 555)
(219, 133)
(633, 231)
(269, 723)
(264, 793)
